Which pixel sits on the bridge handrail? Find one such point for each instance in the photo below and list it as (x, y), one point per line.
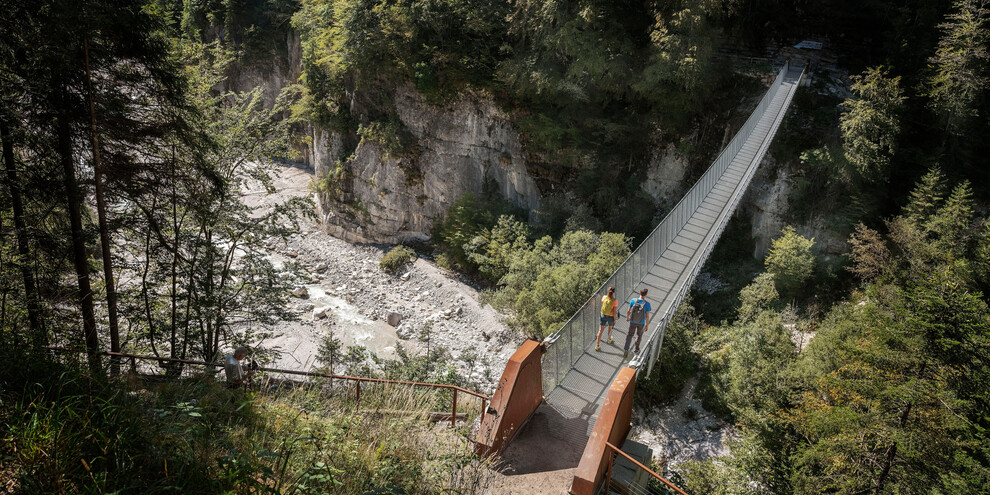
(630, 273)
(613, 451)
(650, 351)
(358, 379)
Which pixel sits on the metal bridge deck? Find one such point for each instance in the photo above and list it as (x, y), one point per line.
(578, 395)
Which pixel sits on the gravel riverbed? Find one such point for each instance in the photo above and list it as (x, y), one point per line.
(348, 295)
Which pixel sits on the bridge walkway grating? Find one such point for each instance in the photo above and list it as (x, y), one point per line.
(580, 392)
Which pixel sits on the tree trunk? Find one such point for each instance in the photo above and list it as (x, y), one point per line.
(38, 335)
(101, 208)
(74, 203)
(892, 452)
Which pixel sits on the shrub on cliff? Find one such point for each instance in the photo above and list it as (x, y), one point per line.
(790, 261)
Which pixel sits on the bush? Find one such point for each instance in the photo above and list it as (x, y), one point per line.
(67, 433)
(547, 283)
(468, 217)
(790, 261)
(396, 258)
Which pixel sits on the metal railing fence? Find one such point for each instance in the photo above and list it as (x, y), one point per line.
(185, 371)
(565, 346)
(654, 484)
(651, 350)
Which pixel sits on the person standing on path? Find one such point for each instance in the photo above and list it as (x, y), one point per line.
(236, 376)
(638, 317)
(609, 306)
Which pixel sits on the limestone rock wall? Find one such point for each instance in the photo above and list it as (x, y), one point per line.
(767, 202)
(456, 149)
(665, 176)
(271, 73)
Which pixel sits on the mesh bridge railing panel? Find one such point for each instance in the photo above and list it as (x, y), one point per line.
(567, 345)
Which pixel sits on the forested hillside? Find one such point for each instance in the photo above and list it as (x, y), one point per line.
(526, 146)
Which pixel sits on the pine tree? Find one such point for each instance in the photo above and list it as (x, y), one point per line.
(871, 123)
(926, 196)
(960, 64)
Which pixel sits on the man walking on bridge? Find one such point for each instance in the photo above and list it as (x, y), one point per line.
(638, 317)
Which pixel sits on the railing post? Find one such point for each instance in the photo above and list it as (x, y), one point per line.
(484, 408)
(453, 412)
(358, 401)
(570, 347)
(584, 327)
(611, 463)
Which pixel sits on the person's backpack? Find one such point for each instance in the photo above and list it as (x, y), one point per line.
(638, 311)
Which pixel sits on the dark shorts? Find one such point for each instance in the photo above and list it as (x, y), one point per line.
(607, 321)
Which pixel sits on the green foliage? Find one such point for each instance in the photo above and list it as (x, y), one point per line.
(396, 258)
(65, 433)
(890, 395)
(492, 250)
(790, 261)
(871, 123)
(757, 297)
(547, 282)
(332, 182)
(933, 233)
(593, 75)
(682, 65)
(390, 135)
(926, 196)
(760, 352)
(885, 408)
(959, 66)
(678, 362)
(202, 271)
(256, 28)
(468, 217)
(440, 46)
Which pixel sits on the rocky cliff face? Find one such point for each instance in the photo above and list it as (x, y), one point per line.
(665, 176)
(767, 202)
(272, 73)
(461, 147)
(395, 197)
(381, 197)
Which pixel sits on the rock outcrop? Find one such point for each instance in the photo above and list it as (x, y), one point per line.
(272, 73)
(665, 176)
(767, 202)
(392, 197)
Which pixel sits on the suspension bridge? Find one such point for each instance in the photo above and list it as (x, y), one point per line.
(568, 400)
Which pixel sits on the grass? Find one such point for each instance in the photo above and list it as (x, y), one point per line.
(64, 432)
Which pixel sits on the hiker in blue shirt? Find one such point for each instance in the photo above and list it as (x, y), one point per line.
(638, 317)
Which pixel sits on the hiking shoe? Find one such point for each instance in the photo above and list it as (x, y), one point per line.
(637, 351)
(598, 347)
(611, 340)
